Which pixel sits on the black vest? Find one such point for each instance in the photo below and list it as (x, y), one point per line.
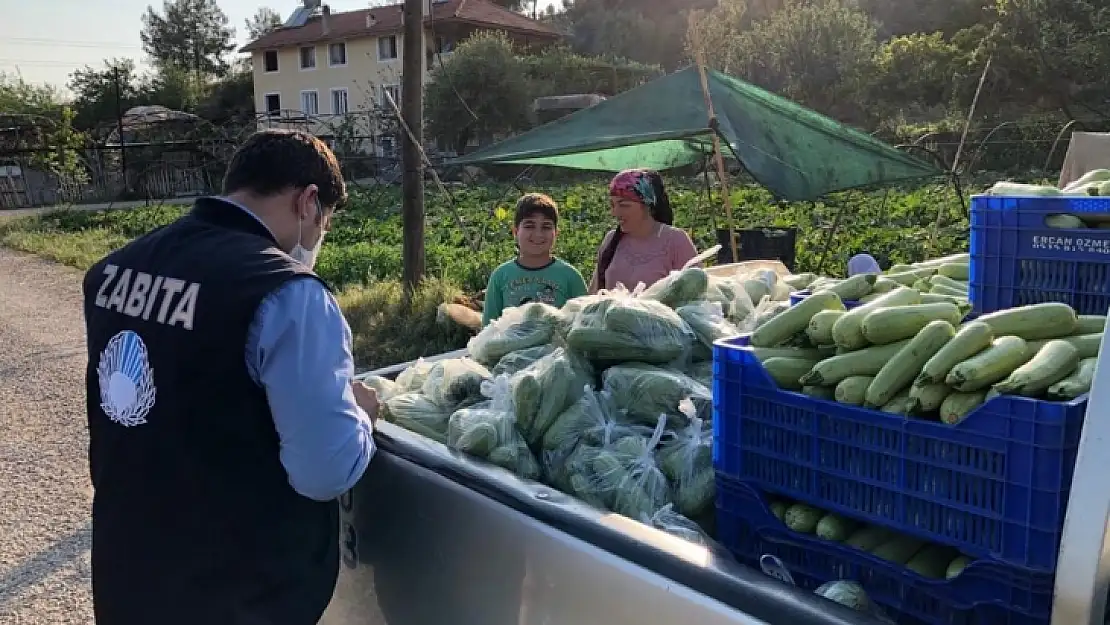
(194, 520)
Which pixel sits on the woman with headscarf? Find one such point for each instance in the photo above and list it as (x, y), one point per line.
(644, 247)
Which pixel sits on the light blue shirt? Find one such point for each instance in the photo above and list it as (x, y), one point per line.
(299, 350)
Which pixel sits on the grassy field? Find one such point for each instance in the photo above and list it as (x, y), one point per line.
(362, 255)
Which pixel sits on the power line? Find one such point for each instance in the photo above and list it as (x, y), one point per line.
(63, 43)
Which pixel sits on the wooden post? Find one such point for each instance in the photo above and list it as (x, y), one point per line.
(412, 181)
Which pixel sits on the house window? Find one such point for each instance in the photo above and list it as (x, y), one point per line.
(394, 91)
(310, 103)
(387, 48)
(308, 57)
(444, 45)
(273, 104)
(389, 147)
(339, 104)
(270, 61)
(337, 54)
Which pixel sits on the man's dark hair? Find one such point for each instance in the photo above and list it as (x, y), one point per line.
(532, 204)
(273, 161)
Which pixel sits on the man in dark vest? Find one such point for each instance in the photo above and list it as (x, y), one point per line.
(223, 419)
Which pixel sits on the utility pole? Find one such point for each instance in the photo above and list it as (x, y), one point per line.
(119, 128)
(412, 181)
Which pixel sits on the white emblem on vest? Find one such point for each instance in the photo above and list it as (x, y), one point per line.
(126, 380)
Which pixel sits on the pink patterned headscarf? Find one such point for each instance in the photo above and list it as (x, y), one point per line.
(635, 185)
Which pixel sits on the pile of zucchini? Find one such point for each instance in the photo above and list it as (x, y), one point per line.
(926, 559)
(908, 351)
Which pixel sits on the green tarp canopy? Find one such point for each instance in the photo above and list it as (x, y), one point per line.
(794, 152)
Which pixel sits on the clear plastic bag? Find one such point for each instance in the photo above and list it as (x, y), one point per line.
(520, 359)
(542, 391)
(734, 300)
(629, 470)
(412, 379)
(646, 391)
(385, 387)
(489, 431)
(417, 413)
(679, 287)
(456, 382)
(621, 327)
(686, 458)
(707, 320)
(668, 520)
(518, 328)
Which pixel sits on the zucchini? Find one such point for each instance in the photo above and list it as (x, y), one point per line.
(1090, 324)
(971, 339)
(901, 370)
(778, 508)
(819, 392)
(934, 298)
(899, 268)
(944, 289)
(887, 325)
(852, 390)
(820, 326)
(1087, 344)
(922, 286)
(932, 561)
(1077, 383)
(991, 365)
(1036, 321)
(928, 397)
(961, 258)
(958, 405)
(868, 538)
(956, 271)
(835, 528)
(799, 281)
(847, 331)
(1063, 221)
(957, 566)
(899, 550)
(802, 518)
(794, 319)
(941, 280)
(907, 278)
(883, 284)
(861, 362)
(900, 404)
(786, 372)
(854, 287)
(1052, 363)
(763, 353)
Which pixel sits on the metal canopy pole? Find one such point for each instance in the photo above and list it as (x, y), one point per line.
(1083, 566)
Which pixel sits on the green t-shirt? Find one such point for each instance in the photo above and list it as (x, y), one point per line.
(512, 284)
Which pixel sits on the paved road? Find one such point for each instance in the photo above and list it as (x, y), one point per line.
(44, 483)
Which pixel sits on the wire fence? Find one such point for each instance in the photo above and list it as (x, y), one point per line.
(155, 154)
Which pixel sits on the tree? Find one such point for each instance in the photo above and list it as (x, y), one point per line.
(95, 92)
(264, 21)
(20, 97)
(190, 34)
(480, 90)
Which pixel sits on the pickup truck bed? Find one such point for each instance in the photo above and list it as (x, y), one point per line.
(431, 537)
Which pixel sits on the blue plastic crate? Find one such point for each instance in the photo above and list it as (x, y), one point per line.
(986, 593)
(798, 296)
(995, 485)
(1017, 260)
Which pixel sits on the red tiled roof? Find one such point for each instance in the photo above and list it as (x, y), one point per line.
(387, 20)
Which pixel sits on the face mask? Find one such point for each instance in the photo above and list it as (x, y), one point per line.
(304, 256)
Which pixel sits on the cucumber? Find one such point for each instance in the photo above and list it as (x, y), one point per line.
(1054, 362)
(991, 365)
(820, 326)
(778, 508)
(1090, 324)
(1035, 321)
(854, 287)
(958, 405)
(939, 280)
(887, 325)
(786, 372)
(802, 518)
(899, 550)
(900, 404)
(932, 561)
(763, 353)
(901, 370)
(847, 331)
(819, 392)
(868, 538)
(794, 319)
(835, 528)
(956, 271)
(956, 567)
(1075, 384)
(799, 281)
(868, 361)
(971, 339)
(852, 390)
(929, 397)
(944, 289)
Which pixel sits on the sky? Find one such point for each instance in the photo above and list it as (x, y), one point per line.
(44, 41)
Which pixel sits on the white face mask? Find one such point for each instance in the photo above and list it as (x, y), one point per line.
(305, 256)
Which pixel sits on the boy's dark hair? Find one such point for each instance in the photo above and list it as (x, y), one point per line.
(531, 204)
(272, 161)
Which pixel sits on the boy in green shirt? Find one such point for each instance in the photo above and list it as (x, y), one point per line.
(534, 275)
